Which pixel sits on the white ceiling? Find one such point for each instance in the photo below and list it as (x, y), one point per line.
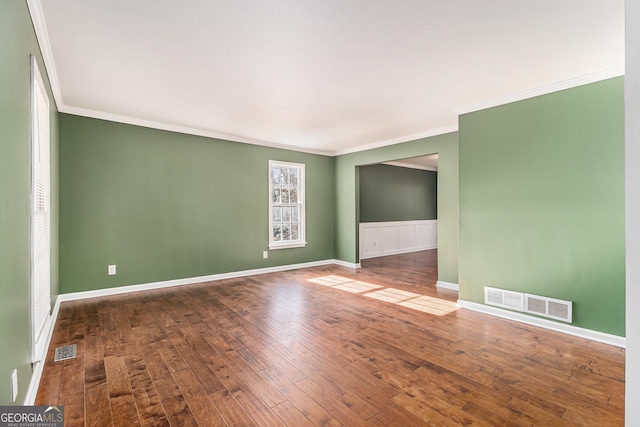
(326, 76)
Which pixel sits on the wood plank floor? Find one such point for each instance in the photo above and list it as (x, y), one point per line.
(324, 346)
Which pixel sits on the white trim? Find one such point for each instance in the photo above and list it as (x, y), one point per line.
(38, 367)
(410, 166)
(541, 90)
(274, 247)
(632, 213)
(40, 287)
(37, 17)
(377, 239)
(40, 27)
(183, 129)
(189, 281)
(301, 203)
(83, 112)
(347, 264)
(447, 285)
(399, 140)
(602, 337)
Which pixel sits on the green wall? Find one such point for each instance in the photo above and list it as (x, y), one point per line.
(17, 43)
(542, 201)
(162, 205)
(347, 185)
(392, 193)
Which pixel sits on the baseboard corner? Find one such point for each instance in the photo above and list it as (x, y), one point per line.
(447, 285)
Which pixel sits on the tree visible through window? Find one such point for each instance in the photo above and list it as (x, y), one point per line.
(286, 207)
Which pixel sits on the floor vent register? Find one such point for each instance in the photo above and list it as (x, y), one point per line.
(64, 353)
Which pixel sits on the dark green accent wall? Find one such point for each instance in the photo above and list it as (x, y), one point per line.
(347, 196)
(162, 205)
(392, 193)
(17, 43)
(542, 201)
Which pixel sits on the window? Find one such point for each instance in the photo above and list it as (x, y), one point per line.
(286, 205)
(40, 215)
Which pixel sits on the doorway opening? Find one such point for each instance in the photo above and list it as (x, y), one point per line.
(398, 207)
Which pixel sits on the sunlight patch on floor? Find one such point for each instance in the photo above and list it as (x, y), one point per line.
(330, 280)
(431, 305)
(357, 287)
(412, 300)
(392, 295)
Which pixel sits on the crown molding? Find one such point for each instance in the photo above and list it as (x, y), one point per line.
(39, 25)
(235, 138)
(184, 129)
(399, 140)
(541, 90)
(37, 17)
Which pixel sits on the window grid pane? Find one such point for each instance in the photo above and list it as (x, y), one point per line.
(286, 203)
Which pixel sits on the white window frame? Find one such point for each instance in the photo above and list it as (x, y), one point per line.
(274, 205)
(41, 319)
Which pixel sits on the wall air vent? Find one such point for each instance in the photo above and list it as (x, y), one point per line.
(548, 307)
(534, 304)
(503, 298)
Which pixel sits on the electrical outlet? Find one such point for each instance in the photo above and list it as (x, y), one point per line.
(111, 270)
(14, 385)
(265, 254)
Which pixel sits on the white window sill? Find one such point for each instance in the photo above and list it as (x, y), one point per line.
(273, 246)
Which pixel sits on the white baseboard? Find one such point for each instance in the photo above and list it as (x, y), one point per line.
(602, 337)
(38, 367)
(192, 280)
(518, 317)
(346, 264)
(447, 285)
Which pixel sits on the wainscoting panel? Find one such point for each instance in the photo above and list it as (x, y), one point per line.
(407, 239)
(390, 238)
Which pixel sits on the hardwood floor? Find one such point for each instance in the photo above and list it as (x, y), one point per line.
(325, 346)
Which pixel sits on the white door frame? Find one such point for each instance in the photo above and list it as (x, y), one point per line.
(40, 288)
